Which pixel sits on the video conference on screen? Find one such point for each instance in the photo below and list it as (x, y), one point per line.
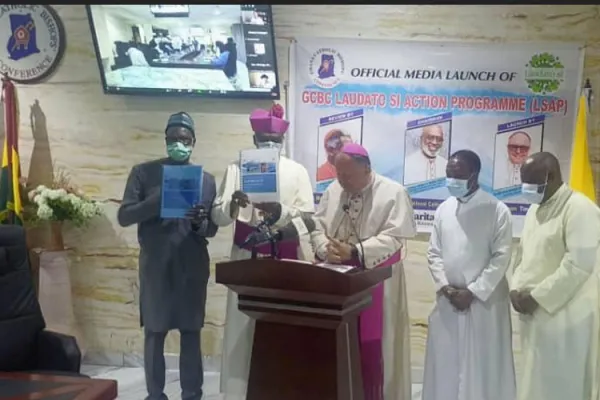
(218, 49)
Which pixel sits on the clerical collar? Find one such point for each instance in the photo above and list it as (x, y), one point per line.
(467, 198)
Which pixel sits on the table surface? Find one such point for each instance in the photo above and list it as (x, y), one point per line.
(23, 386)
(168, 78)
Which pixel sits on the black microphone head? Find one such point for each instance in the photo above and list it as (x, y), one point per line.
(257, 239)
(346, 208)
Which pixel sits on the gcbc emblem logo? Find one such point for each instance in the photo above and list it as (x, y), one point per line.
(32, 42)
(326, 67)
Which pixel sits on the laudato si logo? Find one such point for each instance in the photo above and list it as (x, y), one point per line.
(544, 73)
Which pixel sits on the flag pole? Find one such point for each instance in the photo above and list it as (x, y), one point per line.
(11, 215)
(588, 93)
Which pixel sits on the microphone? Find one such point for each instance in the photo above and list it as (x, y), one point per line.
(297, 227)
(263, 226)
(266, 224)
(346, 209)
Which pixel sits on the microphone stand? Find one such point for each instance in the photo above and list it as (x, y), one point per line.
(261, 227)
(266, 228)
(273, 247)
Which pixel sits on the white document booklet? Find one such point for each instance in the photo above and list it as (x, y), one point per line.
(259, 174)
(334, 267)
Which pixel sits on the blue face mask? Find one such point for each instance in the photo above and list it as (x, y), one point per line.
(178, 151)
(458, 188)
(533, 193)
(268, 145)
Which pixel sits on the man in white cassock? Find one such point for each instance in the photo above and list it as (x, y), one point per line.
(555, 288)
(469, 344)
(232, 206)
(426, 163)
(362, 206)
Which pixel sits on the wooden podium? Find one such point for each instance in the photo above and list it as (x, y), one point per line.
(306, 338)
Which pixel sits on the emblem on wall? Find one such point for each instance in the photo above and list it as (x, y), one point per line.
(32, 42)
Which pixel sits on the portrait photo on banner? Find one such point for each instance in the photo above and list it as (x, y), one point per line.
(333, 133)
(514, 142)
(426, 151)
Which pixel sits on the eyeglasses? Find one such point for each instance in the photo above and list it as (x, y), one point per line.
(516, 147)
(434, 139)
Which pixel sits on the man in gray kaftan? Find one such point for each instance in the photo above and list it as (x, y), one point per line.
(174, 263)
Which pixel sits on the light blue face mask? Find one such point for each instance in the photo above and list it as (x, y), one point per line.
(269, 145)
(533, 193)
(178, 151)
(458, 188)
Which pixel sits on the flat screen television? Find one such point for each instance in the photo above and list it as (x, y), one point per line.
(216, 50)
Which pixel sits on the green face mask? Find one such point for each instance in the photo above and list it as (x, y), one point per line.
(178, 151)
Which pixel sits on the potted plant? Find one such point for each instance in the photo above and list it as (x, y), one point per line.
(60, 203)
(29, 216)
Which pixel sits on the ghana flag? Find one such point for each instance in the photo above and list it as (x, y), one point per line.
(11, 209)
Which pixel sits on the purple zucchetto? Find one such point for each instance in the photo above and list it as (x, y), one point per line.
(355, 149)
(263, 121)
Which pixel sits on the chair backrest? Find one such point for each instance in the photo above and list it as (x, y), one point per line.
(20, 314)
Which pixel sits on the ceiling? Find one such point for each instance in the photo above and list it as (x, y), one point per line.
(203, 15)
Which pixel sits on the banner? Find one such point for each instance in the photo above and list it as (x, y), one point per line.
(414, 104)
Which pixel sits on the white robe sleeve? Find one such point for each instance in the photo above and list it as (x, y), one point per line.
(516, 263)
(582, 236)
(490, 277)
(221, 211)
(434, 253)
(304, 202)
(399, 225)
(515, 280)
(318, 237)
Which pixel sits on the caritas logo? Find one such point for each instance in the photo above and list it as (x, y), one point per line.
(424, 218)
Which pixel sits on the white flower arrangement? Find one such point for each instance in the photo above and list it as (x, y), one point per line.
(63, 205)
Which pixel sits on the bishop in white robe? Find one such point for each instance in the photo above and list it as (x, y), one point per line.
(469, 344)
(363, 219)
(555, 288)
(231, 206)
(420, 168)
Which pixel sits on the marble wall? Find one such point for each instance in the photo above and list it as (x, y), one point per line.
(69, 121)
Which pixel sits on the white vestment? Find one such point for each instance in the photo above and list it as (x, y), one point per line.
(558, 261)
(383, 217)
(508, 176)
(418, 168)
(296, 198)
(469, 354)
